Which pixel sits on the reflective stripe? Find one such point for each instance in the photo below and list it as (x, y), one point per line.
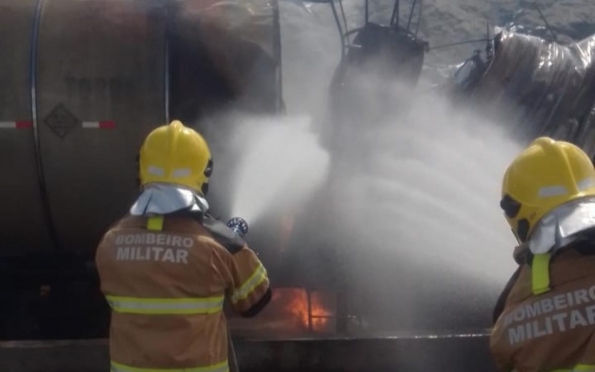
(540, 273)
(220, 367)
(256, 279)
(106, 124)
(578, 368)
(585, 368)
(131, 305)
(549, 191)
(586, 183)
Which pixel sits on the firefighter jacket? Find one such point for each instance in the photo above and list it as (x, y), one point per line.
(165, 279)
(547, 324)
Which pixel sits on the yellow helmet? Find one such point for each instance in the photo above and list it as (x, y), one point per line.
(178, 155)
(544, 176)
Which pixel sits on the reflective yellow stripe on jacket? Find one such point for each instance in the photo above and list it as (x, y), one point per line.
(133, 305)
(578, 368)
(220, 367)
(540, 273)
(256, 279)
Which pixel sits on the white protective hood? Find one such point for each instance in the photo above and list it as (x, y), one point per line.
(560, 227)
(164, 198)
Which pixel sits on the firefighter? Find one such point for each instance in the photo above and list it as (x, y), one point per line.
(545, 319)
(166, 267)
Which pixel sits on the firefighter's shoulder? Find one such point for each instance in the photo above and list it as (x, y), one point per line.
(231, 241)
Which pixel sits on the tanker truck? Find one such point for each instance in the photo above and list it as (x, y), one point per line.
(81, 84)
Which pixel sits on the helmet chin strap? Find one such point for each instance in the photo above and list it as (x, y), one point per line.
(540, 266)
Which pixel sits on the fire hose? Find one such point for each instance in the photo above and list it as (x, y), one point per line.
(232, 359)
(240, 227)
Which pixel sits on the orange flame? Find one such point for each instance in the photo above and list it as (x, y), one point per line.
(297, 306)
(288, 314)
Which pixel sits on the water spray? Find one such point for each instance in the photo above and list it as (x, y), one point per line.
(282, 165)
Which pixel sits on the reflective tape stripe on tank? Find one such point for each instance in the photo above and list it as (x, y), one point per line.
(16, 124)
(132, 305)
(249, 285)
(220, 367)
(106, 124)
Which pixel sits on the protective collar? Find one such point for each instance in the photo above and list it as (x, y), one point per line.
(560, 227)
(162, 199)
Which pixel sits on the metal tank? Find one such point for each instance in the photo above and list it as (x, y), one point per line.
(82, 82)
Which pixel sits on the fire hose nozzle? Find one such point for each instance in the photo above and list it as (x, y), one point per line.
(239, 225)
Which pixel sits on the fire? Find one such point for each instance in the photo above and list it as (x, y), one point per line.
(287, 314)
(297, 307)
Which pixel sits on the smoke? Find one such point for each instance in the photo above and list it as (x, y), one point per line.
(415, 212)
(407, 205)
(430, 189)
(409, 208)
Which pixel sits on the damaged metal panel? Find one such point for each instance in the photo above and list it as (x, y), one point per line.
(541, 87)
(224, 55)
